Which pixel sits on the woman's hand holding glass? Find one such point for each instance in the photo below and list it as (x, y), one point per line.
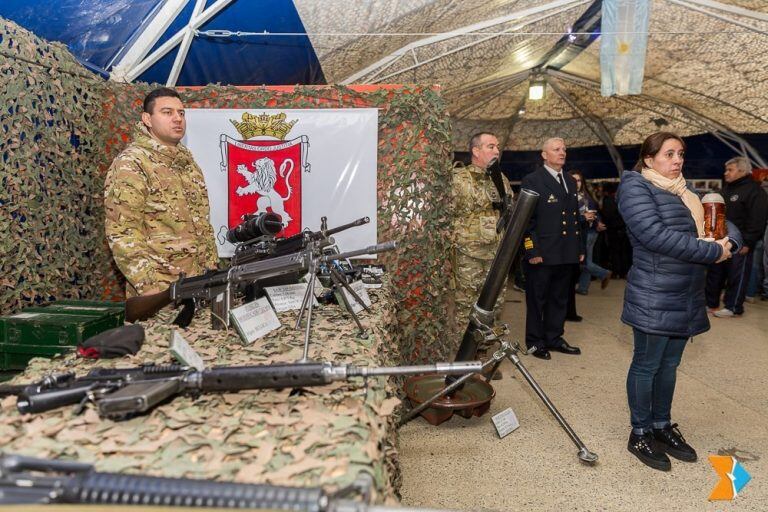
(725, 243)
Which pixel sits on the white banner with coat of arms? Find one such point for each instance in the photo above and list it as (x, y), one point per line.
(300, 164)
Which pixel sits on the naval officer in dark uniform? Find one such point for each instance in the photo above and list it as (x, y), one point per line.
(553, 243)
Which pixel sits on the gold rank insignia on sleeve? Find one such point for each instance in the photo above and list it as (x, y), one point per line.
(528, 244)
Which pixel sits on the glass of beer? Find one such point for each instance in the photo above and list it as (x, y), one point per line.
(714, 216)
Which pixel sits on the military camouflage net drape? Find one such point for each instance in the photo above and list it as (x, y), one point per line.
(62, 126)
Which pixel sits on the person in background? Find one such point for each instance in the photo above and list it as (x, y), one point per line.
(592, 225)
(764, 296)
(479, 192)
(664, 298)
(619, 248)
(553, 246)
(756, 275)
(746, 206)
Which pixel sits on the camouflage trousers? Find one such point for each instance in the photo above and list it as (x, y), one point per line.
(470, 276)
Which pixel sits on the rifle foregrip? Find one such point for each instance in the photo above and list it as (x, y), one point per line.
(274, 376)
(118, 489)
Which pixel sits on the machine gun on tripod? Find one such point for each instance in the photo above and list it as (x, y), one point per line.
(217, 286)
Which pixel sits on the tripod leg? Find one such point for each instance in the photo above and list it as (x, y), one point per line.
(336, 281)
(303, 307)
(584, 454)
(343, 282)
(310, 300)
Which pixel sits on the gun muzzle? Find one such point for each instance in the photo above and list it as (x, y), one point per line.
(371, 249)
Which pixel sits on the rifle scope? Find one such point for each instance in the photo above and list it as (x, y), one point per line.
(254, 226)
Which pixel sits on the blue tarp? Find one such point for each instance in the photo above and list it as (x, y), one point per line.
(98, 31)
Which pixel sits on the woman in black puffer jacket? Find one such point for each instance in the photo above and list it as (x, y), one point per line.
(664, 299)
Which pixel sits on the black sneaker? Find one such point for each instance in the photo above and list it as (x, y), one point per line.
(644, 448)
(672, 441)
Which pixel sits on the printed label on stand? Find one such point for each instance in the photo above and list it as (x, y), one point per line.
(287, 297)
(505, 422)
(254, 320)
(184, 353)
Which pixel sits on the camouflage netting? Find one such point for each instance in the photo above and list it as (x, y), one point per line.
(73, 125)
(52, 240)
(318, 436)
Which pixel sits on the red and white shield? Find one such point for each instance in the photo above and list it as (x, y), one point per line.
(264, 175)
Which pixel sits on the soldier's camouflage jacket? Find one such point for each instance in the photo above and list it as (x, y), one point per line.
(157, 214)
(474, 223)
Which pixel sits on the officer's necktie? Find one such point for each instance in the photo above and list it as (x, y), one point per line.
(560, 179)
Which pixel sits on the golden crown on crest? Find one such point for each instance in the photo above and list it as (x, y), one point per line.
(263, 124)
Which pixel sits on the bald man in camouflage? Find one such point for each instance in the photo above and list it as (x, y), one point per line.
(477, 203)
(156, 202)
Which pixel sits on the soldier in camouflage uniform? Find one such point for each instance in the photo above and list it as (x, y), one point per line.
(156, 202)
(474, 227)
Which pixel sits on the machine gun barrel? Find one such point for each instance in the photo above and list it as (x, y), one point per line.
(371, 249)
(267, 249)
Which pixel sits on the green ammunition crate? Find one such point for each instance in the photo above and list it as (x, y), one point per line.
(16, 357)
(50, 329)
(114, 310)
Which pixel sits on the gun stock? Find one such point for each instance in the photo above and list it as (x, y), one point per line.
(146, 306)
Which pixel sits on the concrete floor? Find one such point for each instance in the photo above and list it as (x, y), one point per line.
(721, 404)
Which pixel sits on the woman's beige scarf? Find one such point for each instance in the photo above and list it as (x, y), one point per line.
(679, 188)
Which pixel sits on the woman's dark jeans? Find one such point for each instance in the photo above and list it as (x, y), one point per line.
(651, 380)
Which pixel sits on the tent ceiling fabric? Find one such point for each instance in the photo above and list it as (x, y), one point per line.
(706, 66)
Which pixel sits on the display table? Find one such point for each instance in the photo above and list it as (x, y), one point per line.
(314, 436)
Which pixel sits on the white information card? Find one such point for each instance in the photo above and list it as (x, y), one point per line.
(361, 292)
(288, 296)
(505, 422)
(184, 353)
(254, 320)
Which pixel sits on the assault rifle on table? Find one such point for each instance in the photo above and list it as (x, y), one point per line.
(217, 286)
(123, 393)
(29, 480)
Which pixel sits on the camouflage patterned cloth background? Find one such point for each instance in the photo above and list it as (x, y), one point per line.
(60, 127)
(318, 436)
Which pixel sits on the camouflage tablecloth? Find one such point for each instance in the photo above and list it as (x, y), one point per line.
(314, 436)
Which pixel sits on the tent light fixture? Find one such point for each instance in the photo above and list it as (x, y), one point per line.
(536, 89)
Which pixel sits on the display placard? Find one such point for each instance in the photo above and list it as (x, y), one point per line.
(287, 297)
(254, 320)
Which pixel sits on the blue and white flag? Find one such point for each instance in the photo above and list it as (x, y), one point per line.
(624, 32)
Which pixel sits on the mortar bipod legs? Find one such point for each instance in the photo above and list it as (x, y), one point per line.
(584, 454)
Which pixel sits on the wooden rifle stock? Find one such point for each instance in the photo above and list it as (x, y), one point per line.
(145, 306)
